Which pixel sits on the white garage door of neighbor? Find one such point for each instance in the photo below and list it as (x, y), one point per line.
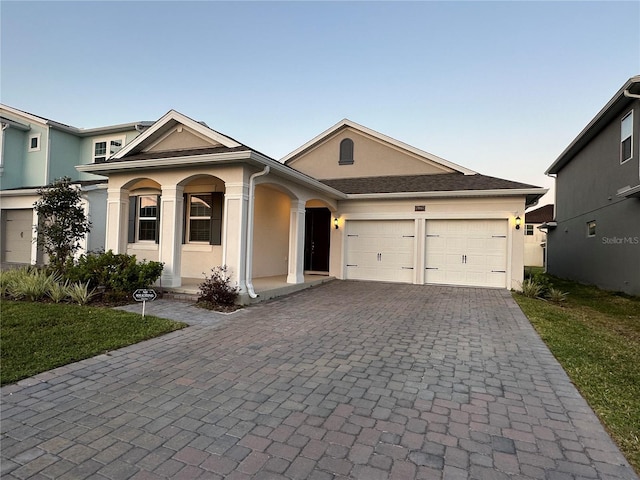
(381, 250)
(466, 252)
(17, 235)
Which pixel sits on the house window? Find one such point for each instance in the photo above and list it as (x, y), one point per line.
(144, 216)
(528, 229)
(103, 149)
(346, 152)
(626, 137)
(591, 228)
(203, 219)
(34, 143)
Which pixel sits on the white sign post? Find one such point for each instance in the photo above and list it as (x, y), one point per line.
(143, 295)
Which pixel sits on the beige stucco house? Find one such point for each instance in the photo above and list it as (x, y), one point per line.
(351, 203)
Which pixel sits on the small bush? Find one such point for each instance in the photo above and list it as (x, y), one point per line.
(216, 290)
(531, 288)
(9, 277)
(59, 292)
(556, 295)
(31, 284)
(80, 293)
(119, 274)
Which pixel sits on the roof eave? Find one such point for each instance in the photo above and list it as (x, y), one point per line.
(533, 193)
(617, 102)
(249, 156)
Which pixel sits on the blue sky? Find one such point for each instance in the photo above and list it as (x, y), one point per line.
(498, 87)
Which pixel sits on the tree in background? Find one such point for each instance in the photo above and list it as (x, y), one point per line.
(62, 221)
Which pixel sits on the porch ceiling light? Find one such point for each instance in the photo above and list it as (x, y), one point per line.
(518, 222)
(335, 223)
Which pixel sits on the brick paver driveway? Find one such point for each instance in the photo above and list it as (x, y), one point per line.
(354, 380)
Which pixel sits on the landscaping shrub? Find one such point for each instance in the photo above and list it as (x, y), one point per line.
(216, 290)
(531, 288)
(80, 293)
(556, 295)
(119, 274)
(30, 284)
(58, 292)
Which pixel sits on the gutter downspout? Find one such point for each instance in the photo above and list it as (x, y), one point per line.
(249, 260)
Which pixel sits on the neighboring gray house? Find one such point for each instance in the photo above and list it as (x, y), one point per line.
(595, 237)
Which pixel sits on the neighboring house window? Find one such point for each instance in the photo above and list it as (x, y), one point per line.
(591, 228)
(346, 152)
(528, 229)
(144, 216)
(203, 218)
(34, 143)
(626, 137)
(103, 149)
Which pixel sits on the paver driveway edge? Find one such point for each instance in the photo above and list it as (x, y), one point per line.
(345, 380)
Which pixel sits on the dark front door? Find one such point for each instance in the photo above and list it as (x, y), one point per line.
(316, 239)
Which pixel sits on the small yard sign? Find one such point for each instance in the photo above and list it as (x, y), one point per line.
(144, 295)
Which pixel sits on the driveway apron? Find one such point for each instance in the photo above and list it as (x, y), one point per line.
(345, 380)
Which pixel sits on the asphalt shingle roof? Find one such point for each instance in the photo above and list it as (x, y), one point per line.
(446, 182)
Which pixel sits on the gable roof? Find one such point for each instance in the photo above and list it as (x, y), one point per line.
(539, 215)
(622, 98)
(170, 120)
(346, 123)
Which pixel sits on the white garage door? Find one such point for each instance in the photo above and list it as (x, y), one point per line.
(466, 252)
(17, 233)
(380, 250)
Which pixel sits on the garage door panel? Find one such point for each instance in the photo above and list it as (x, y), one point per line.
(380, 250)
(17, 233)
(466, 252)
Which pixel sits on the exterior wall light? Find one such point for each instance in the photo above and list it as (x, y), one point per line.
(518, 222)
(335, 223)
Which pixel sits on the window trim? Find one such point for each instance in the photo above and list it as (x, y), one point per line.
(107, 154)
(630, 136)
(133, 235)
(591, 224)
(215, 219)
(37, 137)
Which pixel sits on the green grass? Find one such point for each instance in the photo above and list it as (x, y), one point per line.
(39, 336)
(595, 335)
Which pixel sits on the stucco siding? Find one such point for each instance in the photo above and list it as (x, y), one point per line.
(372, 158)
(270, 232)
(15, 148)
(64, 156)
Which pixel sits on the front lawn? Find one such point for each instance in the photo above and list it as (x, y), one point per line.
(36, 337)
(595, 335)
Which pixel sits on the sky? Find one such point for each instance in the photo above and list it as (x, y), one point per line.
(500, 87)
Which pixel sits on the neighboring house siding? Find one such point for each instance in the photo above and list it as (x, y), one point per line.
(586, 190)
(34, 172)
(14, 147)
(64, 156)
(86, 153)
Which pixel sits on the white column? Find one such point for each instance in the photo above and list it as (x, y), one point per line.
(117, 219)
(84, 241)
(296, 242)
(170, 243)
(234, 243)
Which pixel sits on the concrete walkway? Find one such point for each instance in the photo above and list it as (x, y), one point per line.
(345, 380)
